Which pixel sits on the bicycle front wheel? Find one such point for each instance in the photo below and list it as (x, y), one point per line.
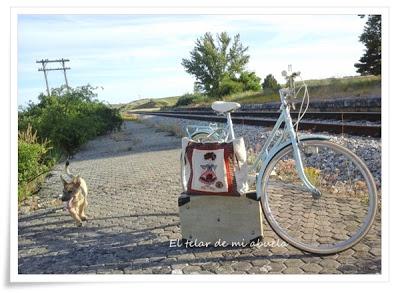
(334, 221)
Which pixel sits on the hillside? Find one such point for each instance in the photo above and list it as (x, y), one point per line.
(149, 104)
(319, 89)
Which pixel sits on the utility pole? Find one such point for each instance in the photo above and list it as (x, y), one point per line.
(65, 71)
(45, 70)
(44, 63)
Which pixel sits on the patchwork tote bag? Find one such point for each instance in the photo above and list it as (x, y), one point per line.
(215, 168)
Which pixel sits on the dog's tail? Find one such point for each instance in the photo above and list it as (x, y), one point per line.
(66, 168)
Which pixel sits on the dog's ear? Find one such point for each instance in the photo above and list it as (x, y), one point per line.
(77, 181)
(63, 180)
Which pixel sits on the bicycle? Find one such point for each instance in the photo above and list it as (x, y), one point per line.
(316, 195)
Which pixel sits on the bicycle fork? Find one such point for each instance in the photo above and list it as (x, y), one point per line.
(297, 155)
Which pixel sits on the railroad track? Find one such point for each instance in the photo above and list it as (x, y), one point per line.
(355, 123)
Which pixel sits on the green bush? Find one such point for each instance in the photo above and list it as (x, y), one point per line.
(189, 99)
(247, 81)
(34, 159)
(69, 118)
(250, 81)
(230, 86)
(185, 100)
(270, 84)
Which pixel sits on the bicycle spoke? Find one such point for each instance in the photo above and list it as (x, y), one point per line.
(333, 221)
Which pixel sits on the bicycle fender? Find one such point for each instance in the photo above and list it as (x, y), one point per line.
(272, 155)
(199, 132)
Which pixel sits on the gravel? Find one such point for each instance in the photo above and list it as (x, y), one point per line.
(367, 148)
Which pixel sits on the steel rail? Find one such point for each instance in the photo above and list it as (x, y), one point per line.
(338, 126)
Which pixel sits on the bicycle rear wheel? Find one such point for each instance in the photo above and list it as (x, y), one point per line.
(203, 137)
(336, 220)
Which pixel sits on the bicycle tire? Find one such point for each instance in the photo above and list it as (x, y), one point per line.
(294, 236)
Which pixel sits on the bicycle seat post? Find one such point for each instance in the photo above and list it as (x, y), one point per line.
(230, 125)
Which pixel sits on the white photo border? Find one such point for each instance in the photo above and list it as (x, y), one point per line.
(15, 11)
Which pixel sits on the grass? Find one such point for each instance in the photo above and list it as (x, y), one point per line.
(253, 97)
(328, 88)
(313, 175)
(131, 117)
(353, 86)
(172, 129)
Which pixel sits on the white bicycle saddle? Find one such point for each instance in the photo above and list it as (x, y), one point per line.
(223, 107)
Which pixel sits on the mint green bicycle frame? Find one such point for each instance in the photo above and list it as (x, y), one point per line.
(265, 155)
(269, 149)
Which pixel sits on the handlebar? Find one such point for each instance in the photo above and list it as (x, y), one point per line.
(290, 92)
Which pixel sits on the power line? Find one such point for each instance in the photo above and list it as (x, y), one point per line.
(44, 68)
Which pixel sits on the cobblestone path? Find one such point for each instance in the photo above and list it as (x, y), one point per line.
(133, 182)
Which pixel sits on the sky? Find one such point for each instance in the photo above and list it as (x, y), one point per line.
(139, 56)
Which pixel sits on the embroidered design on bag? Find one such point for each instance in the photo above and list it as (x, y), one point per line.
(208, 176)
(219, 184)
(211, 169)
(210, 156)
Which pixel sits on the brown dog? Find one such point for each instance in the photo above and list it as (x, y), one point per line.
(75, 194)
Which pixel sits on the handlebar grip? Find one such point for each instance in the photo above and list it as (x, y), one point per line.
(297, 73)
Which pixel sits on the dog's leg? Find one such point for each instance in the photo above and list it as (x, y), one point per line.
(82, 210)
(76, 217)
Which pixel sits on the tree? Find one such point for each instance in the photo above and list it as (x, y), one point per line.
(250, 81)
(370, 62)
(270, 83)
(212, 61)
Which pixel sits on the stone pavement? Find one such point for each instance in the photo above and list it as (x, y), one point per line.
(133, 182)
